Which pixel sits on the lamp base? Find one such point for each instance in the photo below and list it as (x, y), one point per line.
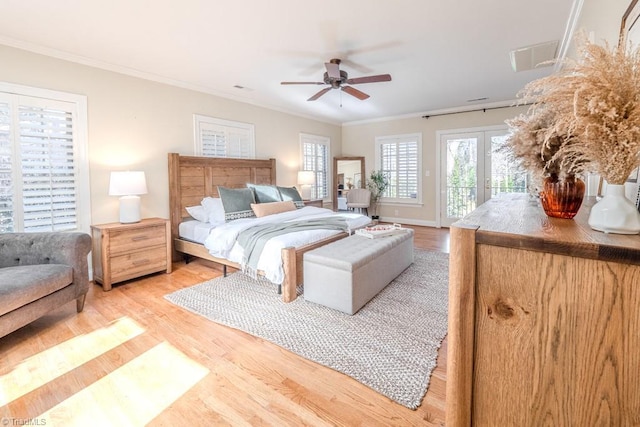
(305, 191)
(129, 209)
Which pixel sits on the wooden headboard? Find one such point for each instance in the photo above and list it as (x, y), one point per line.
(192, 178)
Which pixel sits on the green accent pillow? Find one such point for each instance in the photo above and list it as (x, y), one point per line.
(291, 193)
(236, 202)
(265, 193)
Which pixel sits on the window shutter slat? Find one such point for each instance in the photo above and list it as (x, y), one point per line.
(315, 157)
(222, 138)
(399, 160)
(47, 169)
(6, 170)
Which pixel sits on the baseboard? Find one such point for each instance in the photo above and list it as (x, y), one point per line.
(408, 221)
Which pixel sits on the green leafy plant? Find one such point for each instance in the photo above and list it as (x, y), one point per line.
(377, 183)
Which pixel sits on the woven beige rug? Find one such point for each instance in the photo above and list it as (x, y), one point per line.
(390, 345)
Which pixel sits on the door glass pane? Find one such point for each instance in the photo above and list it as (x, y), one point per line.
(462, 160)
(506, 176)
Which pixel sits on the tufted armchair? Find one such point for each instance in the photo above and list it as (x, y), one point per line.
(40, 272)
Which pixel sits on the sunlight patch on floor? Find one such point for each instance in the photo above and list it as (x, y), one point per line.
(56, 361)
(132, 395)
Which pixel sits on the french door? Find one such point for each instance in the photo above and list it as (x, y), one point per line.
(473, 170)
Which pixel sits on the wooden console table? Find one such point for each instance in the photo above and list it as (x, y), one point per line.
(544, 320)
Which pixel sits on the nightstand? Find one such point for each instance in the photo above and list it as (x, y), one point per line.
(316, 202)
(127, 251)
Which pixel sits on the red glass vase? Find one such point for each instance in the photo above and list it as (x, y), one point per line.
(562, 198)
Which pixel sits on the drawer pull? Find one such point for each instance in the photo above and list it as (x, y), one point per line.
(141, 262)
(139, 238)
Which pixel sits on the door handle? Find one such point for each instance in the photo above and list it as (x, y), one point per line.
(487, 184)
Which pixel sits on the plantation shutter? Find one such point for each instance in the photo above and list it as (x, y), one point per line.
(213, 143)
(48, 170)
(37, 166)
(400, 162)
(223, 138)
(407, 170)
(6, 169)
(315, 157)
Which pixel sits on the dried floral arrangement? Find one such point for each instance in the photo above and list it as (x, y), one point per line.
(535, 146)
(584, 117)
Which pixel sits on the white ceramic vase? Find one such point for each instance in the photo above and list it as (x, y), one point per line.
(614, 213)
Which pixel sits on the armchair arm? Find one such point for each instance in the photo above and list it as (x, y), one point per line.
(70, 248)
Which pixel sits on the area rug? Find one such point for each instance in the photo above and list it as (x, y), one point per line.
(390, 345)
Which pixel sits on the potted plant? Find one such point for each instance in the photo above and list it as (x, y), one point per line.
(377, 183)
(594, 107)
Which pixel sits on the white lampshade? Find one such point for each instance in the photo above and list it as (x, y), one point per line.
(306, 179)
(128, 185)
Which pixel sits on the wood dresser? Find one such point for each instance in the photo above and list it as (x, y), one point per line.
(544, 320)
(127, 251)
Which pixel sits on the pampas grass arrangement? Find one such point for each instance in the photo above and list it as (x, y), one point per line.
(536, 147)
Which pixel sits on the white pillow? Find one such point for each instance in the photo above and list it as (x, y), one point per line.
(214, 209)
(198, 212)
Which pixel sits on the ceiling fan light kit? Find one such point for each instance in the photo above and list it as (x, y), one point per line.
(337, 78)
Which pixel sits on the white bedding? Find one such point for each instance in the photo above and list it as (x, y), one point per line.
(194, 230)
(221, 241)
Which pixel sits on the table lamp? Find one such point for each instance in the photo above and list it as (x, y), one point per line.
(306, 179)
(128, 185)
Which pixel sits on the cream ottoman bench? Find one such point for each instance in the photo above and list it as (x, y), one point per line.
(346, 274)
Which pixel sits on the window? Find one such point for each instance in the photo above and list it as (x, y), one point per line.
(223, 138)
(315, 157)
(44, 183)
(398, 156)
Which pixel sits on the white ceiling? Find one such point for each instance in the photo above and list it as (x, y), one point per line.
(439, 53)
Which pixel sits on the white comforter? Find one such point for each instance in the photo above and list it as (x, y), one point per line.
(221, 242)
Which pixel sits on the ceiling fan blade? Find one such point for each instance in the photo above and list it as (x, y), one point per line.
(319, 94)
(370, 79)
(333, 69)
(355, 92)
(302, 83)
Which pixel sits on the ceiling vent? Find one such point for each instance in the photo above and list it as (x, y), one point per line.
(530, 57)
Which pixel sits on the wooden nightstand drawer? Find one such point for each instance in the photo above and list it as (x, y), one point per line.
(136, 264)
(127, 251)
(125, 241)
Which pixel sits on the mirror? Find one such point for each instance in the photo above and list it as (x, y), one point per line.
(348, 173)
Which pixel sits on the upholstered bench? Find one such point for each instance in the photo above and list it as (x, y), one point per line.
(346, 274)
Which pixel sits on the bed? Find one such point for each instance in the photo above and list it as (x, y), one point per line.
(192, 178)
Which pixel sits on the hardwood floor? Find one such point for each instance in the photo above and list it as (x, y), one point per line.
(132, 358)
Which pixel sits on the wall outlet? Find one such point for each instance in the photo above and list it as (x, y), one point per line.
(427, 173)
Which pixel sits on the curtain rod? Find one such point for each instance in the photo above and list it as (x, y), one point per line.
(484, 110)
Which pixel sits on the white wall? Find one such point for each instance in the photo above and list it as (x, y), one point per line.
(359, 140)
(602, 18)
(134, 123)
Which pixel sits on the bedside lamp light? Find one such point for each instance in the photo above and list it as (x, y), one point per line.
(128, 185)
(306, 179)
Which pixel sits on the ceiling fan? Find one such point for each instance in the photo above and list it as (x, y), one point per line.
(336, 78)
